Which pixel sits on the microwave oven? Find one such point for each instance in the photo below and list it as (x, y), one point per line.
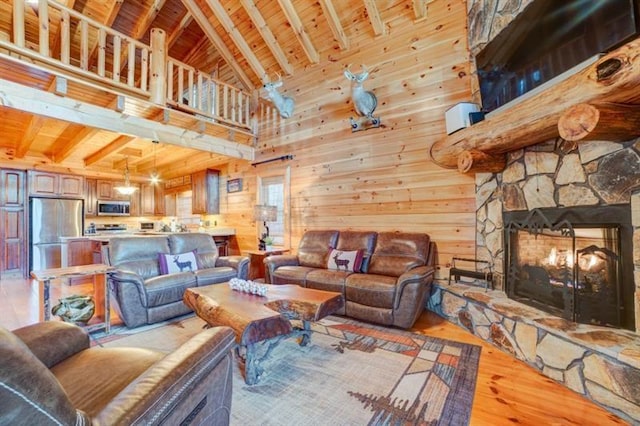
(114, 208)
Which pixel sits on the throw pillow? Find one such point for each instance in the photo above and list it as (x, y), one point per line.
(345, 260)
(183, 262)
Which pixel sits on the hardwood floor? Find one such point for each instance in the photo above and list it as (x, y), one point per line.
(507, 391)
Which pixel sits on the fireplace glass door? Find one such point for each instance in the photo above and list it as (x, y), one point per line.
(567, 271)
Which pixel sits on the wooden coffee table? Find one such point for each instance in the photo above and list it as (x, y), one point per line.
(261, 322)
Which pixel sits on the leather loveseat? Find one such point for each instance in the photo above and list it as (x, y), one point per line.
(51, 376)
(144, 294)
(391, 285)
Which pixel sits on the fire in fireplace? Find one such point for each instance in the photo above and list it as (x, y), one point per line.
(574, 263)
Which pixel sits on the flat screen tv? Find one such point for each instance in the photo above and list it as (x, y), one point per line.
(548, 41)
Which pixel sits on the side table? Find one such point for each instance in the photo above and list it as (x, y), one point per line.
(100, 290)
(256, 261)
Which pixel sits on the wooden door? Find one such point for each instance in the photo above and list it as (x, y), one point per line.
(80, 252)
(159, 200)
(205, 192)
(104, 189)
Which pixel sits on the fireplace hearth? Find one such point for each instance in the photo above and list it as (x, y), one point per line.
(572, 262)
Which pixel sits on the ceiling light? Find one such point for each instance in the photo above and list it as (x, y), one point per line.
(127, 189)
(155, 176)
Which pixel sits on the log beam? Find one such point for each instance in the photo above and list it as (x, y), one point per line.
(479, 162)
(613, 122)
(614, 78)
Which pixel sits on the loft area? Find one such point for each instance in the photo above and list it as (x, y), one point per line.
(548, 39)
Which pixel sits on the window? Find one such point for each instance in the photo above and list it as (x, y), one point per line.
(183, 209)
(274, 191)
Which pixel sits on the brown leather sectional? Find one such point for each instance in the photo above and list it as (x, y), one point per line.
(391, 286)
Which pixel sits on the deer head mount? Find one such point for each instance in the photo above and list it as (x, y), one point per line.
(284, 104)
(364, 102)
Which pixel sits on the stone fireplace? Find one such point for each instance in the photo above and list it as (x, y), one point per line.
(596, 355)
(572, 263)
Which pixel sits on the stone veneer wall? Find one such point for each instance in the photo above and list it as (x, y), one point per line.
(599, 363)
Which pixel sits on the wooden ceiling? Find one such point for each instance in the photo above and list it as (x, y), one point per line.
(241, 42)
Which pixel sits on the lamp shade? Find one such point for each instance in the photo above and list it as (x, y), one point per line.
(265, 213)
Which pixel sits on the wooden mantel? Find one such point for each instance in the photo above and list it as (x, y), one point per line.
(600, 102)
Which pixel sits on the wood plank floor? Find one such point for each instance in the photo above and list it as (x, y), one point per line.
(507, 392)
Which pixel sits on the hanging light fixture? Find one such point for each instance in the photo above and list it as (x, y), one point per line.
(127, 189)
(155, 176)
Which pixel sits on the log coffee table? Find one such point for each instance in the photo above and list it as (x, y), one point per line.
(261, 322)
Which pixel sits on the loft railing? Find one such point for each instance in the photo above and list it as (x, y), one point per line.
(67, 40)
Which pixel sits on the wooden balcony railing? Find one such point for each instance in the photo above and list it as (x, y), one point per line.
(69, 41)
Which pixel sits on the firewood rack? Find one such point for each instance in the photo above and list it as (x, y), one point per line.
(485, 273)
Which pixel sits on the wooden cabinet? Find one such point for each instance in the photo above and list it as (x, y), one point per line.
(205, 192)
(170, 205)
(159, 200)
(55, 185)
(71, 186)
(12, 240)
(147, 199)
(12, 185)
(104, 189)
(90, 197)
(96, 251)
(79, 252)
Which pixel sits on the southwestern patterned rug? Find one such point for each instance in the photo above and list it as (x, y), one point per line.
(351, 373)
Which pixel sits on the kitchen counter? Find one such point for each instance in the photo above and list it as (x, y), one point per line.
(106, 236)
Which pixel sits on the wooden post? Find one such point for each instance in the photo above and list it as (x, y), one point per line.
(102, 48)
(613, 122)
(65, 37)
(84, 45)
(158, 80)
(477, 161)
(43, 21)
(18, 23)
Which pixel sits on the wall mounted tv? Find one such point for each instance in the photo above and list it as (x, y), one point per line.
(548, 41)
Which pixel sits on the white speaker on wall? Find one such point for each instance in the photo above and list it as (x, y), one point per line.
(457, 117)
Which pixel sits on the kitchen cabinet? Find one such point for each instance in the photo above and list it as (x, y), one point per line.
(205, 192)
(12, 240)
(55, 185)
(96, 251)
(79, 252)
(147, 199)
(170, 205)
(104, 189)
(12, 184)
(90, 197)
(159, 200)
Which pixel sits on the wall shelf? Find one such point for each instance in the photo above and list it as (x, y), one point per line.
(604, 99)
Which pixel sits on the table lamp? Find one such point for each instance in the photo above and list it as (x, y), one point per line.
(264, 213)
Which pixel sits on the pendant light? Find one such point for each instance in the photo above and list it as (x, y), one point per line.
(155, 177)
(127, 189)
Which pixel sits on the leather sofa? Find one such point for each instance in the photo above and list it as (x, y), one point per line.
(391, 286)
(144, 295)
(51, 376)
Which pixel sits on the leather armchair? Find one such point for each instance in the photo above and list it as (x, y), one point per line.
(51, 376)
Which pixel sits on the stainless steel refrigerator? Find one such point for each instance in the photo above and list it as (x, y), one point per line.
(50, 219)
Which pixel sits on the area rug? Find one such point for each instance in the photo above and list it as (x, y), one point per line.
(351, 373)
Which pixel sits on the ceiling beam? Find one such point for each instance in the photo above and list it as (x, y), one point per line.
(142, 25)
(300, 31)
(374, 17)
(215, 39)
(18, 96)
(238, 39)
(186, 20)
(265, 32)
(420, 9)
(29, 136)
(62, 149)
(107, 150)
(334, 23)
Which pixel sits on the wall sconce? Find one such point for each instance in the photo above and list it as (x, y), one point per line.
(263, 213)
